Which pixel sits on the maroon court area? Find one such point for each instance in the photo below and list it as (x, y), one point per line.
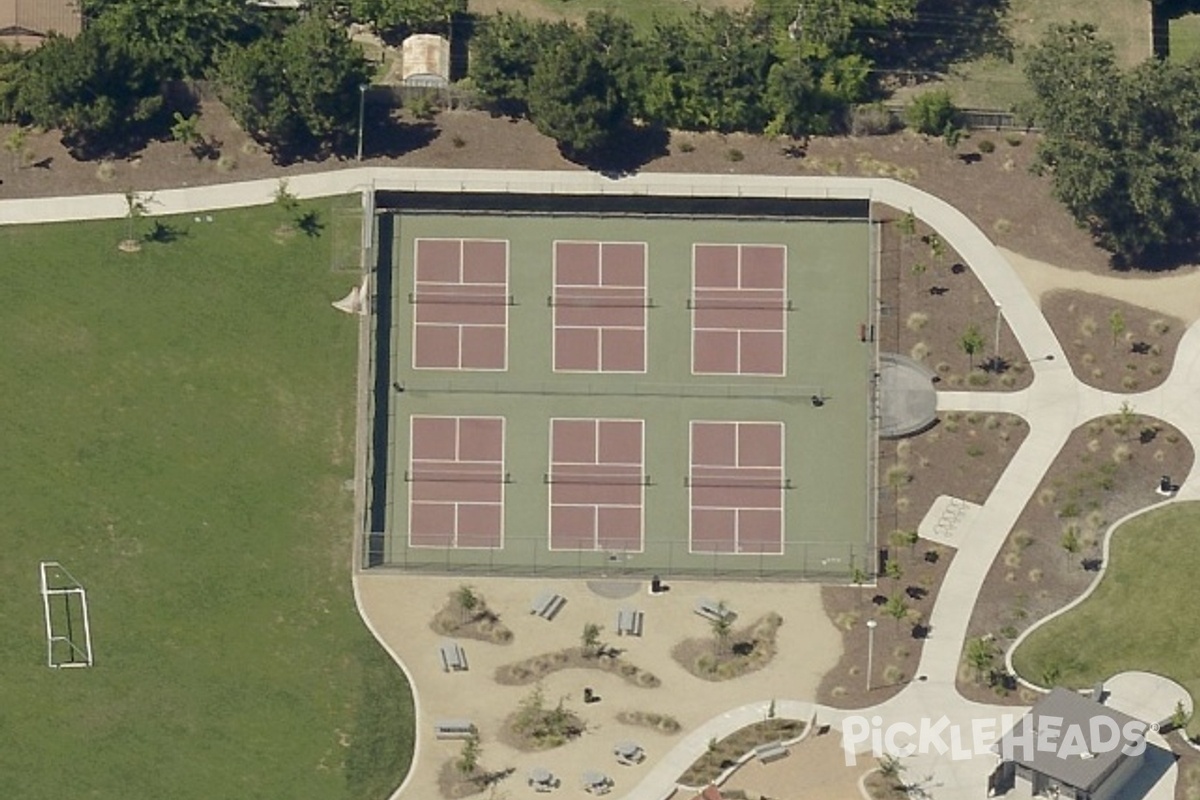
(456, 482)
(736, 484)
(600, 305)
(597, 484)
(461, 299)
(739, 309)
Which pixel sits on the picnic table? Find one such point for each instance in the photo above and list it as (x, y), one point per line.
(629, 621)
(542, 779)
(547, 604)
(454, 658)
(595, 782)
(629, 752)
(714, 611)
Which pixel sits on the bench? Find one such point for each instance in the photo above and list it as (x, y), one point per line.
(770, 751)
(547, 604)
(454, 729)
(454, 658)
(629, 622)
(713, 611)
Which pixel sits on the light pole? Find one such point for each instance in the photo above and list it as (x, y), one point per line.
(870, 649)
(996, 351)
(362, 102)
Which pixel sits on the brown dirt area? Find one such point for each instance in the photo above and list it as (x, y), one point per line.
(1107, 469)
(1113, 345)
(925, 313)
(996, 190)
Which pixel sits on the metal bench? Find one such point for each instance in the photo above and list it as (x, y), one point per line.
(454, 729)
(454, 658)
(629, 622)
(547, 604)
(713, 611)
(770, 751)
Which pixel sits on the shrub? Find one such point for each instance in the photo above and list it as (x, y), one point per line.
(734, 155)
(872, 120)
(987, 146)
(458, 142)
(1014, 139)
(686, 147)
(932, 113)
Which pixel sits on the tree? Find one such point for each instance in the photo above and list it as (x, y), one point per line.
(591, 639)
(464, 597)
(1116, 324)
(468, 759)
(937, 248)
(896, 608)
(1119, 145)
(574, 99)
(15, 144)
(858, 577)
(298, 93)
(907, 225)
(99, 91)
(722, 627)
(288, 204)
(396, 18)
(807, 97)
(504, 54)
(890, 767)
(932, 113)
(136, 207)
(1070, 542)
(981, 654)
(971, 343)
(179, 38)
(893, 570)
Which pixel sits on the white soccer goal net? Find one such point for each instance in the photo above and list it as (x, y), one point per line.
(68, 628)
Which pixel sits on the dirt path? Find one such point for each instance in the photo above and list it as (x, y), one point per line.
(1177, 295)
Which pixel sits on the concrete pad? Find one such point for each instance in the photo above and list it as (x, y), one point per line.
(948, 521)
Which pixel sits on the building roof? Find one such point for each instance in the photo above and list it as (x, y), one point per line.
(27, 22)
(425, 58)
(1064, 764)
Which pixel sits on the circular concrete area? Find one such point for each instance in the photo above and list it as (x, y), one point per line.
(1146, 696)
(907, 400)
(614, 590)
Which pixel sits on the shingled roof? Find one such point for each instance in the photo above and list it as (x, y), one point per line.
(26, 22)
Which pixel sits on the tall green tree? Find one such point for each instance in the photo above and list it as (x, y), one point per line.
(1120, 146)
(96, 88)
(504, 54)
(574, 99)
(297, 93)
(397, 17)
(180, 38)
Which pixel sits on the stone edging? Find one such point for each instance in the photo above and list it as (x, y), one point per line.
(749, 754)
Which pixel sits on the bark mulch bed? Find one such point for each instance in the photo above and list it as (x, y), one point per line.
(1107, 469)
(1113, 345)
(929, 300)
(532, 670)
(1187, 786)
(748, 649)
(996, 190)
(662, 723)
(453, 783)
(962, 456)
(724, 754)
(480, 623)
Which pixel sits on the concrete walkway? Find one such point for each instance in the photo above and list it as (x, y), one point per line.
(1054, 405)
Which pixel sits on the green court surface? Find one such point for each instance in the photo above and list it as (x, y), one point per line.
(178, 428)
(827, 449)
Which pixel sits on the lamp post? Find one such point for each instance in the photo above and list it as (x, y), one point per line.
(996, 351)
(362, 102)
(870, 648)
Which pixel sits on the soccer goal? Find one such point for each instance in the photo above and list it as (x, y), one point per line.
(68, 629)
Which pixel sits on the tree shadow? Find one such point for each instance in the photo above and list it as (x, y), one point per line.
(1160, 259)
(310, 224)
(386, 136)
(163, 233)
(628, 151)
(942, 33)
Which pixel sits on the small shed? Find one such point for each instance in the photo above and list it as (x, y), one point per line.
(425, 61)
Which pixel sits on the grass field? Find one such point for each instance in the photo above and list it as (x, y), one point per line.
(178, 426)
(1185, 37)
(826, 513)
(641, 12)
(997, 83)
(1133, 620)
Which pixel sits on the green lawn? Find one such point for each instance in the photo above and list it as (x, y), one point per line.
(178, 425)
(641, 13)
(1133, 621)
(996, 83)
(1185, 37)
